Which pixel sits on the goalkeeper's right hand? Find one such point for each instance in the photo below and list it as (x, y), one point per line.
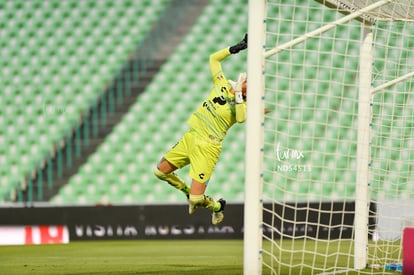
(239, 46)
(238, 88)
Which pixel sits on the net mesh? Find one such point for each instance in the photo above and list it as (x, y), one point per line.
(310, 139)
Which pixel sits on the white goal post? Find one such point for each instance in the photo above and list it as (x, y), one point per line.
(338, 77)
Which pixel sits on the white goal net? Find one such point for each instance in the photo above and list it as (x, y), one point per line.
(335, 173)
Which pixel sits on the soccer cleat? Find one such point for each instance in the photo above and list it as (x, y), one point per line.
(218, 216)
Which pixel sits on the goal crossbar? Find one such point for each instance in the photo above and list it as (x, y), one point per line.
(401, 10)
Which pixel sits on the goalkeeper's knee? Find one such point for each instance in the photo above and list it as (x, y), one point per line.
(159, 174)
(173, 180)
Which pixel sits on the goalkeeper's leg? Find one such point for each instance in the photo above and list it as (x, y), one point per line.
(198, 199)
(174, 180)
(207, 202)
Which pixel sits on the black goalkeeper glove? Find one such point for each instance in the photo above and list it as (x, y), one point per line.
(239, 46)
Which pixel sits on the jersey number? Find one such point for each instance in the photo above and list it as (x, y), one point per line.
(221, 100)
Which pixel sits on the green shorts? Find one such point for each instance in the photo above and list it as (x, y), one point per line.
(200, 152)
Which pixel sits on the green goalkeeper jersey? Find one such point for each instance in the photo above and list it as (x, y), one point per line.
(218, 112)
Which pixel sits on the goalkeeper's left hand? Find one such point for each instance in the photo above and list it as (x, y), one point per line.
(242, 45)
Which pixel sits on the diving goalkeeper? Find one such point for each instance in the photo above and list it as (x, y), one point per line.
(201, 145)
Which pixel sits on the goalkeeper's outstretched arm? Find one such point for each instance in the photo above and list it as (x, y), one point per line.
(217, 57)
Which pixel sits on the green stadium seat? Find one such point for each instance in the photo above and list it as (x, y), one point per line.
(49, 50)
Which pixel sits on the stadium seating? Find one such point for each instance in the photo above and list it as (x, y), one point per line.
(56, 59)
(53, 68)
(121, 169)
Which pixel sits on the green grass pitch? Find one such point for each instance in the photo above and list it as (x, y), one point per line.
(182, 257)
(125, 257)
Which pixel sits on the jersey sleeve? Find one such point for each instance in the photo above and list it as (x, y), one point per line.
(215, 66)
(241, 112)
